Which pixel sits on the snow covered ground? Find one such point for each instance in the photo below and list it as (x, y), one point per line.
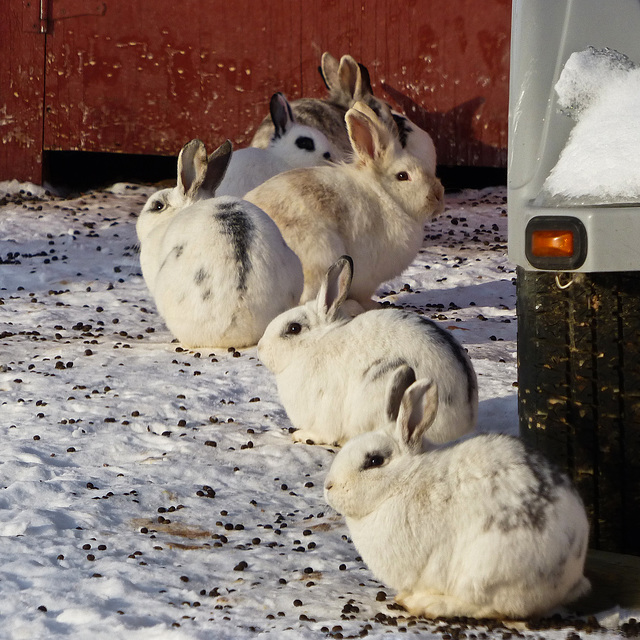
(152, 492)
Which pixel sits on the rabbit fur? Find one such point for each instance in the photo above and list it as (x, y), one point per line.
(484, 527)
(332, 370)
(373, 209)
(292, 145)
(217, 267)
(348, 82)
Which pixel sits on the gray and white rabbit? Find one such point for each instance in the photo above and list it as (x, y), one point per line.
(373, 209)
(332, 370)
(346, 86)
(348, 82)
(413, 139)
(484, 527)
(293, 145)
(217, 267)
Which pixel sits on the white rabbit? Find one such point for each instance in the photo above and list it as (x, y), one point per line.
(292, 146)
(332, 371)
(484, 528)
(218, 268)
(196, 174)
(373, 209)
(348, 82)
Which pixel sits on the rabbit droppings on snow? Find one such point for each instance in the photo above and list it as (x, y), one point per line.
(482, 528)
(373, 209)
(292, 146)
(217, 267)
(332, 371)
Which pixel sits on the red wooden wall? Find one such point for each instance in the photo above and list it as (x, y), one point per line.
(147, 76)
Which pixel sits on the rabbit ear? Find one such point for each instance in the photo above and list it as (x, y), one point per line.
(335, 287)
(349, 76)
(197, 173)
(217, 167)
(192, 166)
(418, 410)
(403, 377)
(281, 114)
(364, 88)
(329, 71)
(370, 139)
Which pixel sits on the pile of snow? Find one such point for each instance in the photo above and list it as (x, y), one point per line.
(16, 188)
(600, 163)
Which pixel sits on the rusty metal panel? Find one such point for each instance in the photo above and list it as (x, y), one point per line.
(445, 63)
(150, 82)
(450, 74)
(21, 90)
(145, 77)
(148, 76)
(114, 86)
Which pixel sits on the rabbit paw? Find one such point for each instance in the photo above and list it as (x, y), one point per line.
(305, 436)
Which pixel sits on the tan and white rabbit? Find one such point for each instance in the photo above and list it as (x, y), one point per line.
(484, 528)
(373, 209)
(332, 371)
(293, 145)
(217, 267)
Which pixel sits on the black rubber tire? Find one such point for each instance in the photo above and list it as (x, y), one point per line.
(579, 390)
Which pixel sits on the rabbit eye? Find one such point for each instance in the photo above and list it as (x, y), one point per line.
(294, 328)
(402, 175)
(306, 143)
(158, 205)
(373, 460)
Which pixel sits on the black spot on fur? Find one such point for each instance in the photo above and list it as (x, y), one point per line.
(176, 252)
(305, 143)
(448, 399)
(381, 367)
(237, 225)
(227, 206)
(374, 106)
(457, 351)
(200, 276)
(555, 574)
(206, 294)
(404, 128)
(544, 484)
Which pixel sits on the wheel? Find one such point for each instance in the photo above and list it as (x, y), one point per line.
(579, 390)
